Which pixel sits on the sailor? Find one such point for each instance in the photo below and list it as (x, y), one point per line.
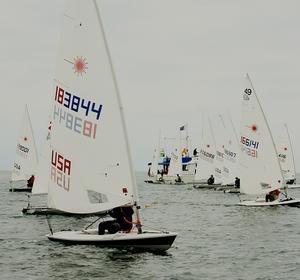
(122, 221)
(273, 195)
(237, 182)
(30, 181)
(211, 180)
(161, 178)
(178, 179)
(291, 182)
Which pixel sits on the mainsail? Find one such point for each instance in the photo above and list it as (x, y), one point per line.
(207, 153)
(175, 162)
(231, 151)
(26, 155)
(286, 156)
(43, 168)
(260, 169)
(91, 169)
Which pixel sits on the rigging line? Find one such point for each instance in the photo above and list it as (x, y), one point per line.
(93, 223)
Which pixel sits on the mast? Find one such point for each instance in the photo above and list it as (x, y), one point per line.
(135, 194)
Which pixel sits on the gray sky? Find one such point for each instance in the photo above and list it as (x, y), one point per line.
(174, 61)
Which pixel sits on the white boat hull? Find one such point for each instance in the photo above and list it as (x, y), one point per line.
(148, 240)
(206, 186)
(285, 202)
(293, 186)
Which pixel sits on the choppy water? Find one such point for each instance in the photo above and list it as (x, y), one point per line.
(217, 240)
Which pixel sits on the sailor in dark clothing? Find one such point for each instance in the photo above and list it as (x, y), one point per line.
(178, 179)
(291, 182)
(237, 182)
(211, 180)
(30, 181)
(122, 220)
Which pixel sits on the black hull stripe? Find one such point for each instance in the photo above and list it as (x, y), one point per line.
(20, 190)
(50, 211)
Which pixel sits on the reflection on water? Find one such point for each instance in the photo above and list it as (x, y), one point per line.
(217, 240)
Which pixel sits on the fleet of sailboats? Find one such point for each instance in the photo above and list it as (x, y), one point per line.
(79, 175)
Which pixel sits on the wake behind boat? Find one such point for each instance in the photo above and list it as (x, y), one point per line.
(86, 177)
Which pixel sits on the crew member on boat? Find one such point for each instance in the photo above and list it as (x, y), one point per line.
(237, 182)
(211, 180)
(30, 181)
(178, 179)
(273, 195)
(122, 221)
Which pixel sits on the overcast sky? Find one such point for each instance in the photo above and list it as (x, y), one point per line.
(175, 60)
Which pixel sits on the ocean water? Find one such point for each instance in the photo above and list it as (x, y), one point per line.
(216, 240)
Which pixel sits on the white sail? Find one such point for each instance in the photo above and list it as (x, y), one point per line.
(260, 169)
(175, 162)
(218, 132)
(156, 158)
(91, 169)
(207, 154)
(43, 168)
(26, 155)
(231, 151)
(286, 156)
(154, 163)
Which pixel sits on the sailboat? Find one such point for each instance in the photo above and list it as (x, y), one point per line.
(41, 180)
(286, 159)
(26, 159)
(154, 170)
(91, 167)
(230, 147)
(175, 168)
(206, 165)
(261, 173)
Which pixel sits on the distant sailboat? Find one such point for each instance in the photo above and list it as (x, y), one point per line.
(231, 152)
(260, 169)
(206, 165)
(286, 159)
(175, 168)
(154, 170)
(26, 159)
(219, 132)
(91, 168)
(41, 179)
